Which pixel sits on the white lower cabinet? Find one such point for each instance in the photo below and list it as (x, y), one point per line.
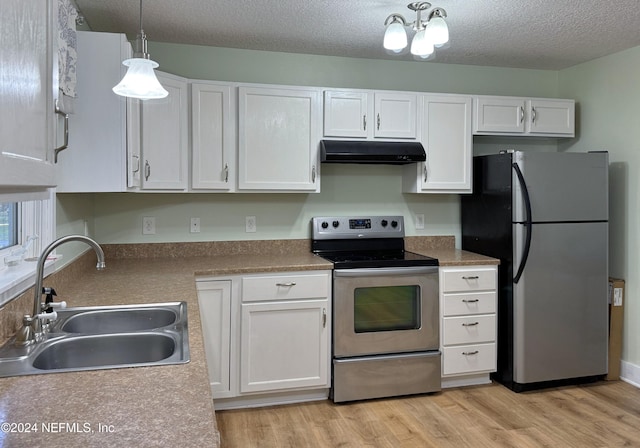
(468, 303)
(267, 337)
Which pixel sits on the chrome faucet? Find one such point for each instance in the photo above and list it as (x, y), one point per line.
(32, 328)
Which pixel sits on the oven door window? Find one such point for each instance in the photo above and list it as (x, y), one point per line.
(386, 308)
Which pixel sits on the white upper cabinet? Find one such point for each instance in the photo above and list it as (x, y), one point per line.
(27, 93)
(368, 115)
(494, 115)
(278, 138)
(104, 125)
(552, 117)
(164, 144)
(395, 115)
(447, 140)
(213, 165)
(345, 114)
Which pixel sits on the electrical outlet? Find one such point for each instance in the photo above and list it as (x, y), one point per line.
(194, 227)
(250, 225)
(419, 221)
(149, 225)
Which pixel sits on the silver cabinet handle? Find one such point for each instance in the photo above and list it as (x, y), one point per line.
(470, 300)
(65, 144)
(288, 284)
(475, 352)
(364, 122)
(425, 171)
(470, 324)
(521, 114)
(313, 174)
(470, 277)
(324, 318)
(378, 122)
(137, 163)
(147, 170)
(533, 115)
(226, 172)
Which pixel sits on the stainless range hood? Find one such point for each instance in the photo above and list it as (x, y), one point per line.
(392, 153)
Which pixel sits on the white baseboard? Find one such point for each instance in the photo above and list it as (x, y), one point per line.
(630, 373)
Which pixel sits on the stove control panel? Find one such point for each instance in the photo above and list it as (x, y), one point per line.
(352, 227)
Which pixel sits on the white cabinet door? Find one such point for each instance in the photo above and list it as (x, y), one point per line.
(164, 137)
(96, 159)
(212, 134)
(278, 139)
(552, 117)
(214, 299)
(447, 139)
(395, 115)
(346, 114)
(284, 345)
(495, 115)
(27, 92)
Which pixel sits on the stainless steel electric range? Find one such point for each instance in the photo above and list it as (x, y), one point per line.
(385, 309)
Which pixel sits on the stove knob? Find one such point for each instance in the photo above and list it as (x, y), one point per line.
(384, 223)
(324, 224)
(336, 224)
(394, 224)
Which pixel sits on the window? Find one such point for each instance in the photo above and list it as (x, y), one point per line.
(8, 224)
(18, 222)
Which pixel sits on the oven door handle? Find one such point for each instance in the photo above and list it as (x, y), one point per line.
(376, 272)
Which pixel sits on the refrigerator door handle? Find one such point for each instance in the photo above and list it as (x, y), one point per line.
(527, 223)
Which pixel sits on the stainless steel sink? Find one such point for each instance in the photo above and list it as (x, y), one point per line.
(106, 351)
(92, 338)
(117, 320)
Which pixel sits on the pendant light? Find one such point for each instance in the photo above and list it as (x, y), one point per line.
(140, 80)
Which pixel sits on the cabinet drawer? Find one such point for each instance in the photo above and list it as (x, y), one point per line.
(285, 287)
(468, 359)
(469, 303)
(468, 280)
(469, 329)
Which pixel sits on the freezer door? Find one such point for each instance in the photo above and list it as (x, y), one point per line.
(562, 186)
(560, 317)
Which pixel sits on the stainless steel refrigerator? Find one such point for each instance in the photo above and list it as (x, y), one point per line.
(545, 216)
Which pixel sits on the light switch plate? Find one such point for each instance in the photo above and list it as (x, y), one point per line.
(420, 221)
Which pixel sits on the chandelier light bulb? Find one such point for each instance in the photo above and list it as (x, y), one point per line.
(421, 45)
(140, 80)
(395, 37)
(438, 31)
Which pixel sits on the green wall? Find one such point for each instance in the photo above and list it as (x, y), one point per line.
(608, 93)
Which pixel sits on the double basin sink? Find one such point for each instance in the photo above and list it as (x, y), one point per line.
(92, 338)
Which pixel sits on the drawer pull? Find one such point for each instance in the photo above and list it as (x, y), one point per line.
(475, 352)
(288, 284)
(470, 300)
(470, 277)
(470, 324)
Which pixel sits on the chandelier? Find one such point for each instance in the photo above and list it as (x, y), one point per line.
(431, 33)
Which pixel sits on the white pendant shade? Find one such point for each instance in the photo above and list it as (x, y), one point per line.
(421, 45)
(438, 31)
(140, 80)
(395, 37)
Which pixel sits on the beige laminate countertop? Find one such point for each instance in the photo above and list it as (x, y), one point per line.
(144, 406)
(168, 406)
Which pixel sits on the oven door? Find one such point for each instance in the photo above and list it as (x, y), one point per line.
(385, 310)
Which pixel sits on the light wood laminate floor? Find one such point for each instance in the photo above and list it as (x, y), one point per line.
(604, 414)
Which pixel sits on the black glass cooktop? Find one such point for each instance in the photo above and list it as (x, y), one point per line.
(377, 259)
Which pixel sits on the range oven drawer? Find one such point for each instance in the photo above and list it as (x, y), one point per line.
(386, 376)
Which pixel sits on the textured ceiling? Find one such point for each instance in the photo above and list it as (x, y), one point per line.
(546, 34)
